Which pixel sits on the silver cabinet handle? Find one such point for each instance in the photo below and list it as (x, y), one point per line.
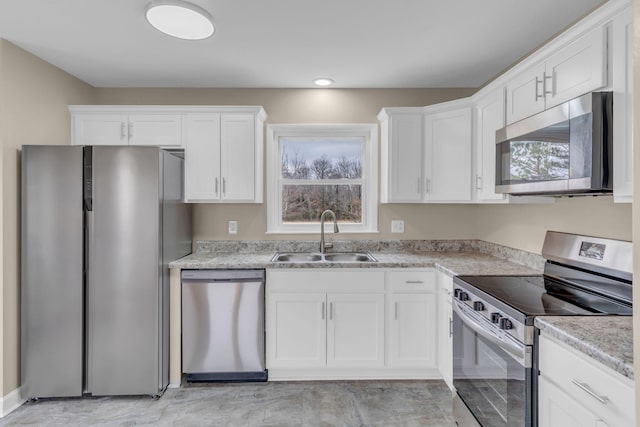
(414, 282)
(216, 186)
(330, 311)
(428, 186)
(539, 82)
(546, 92)
(450, 328)
(123, 130)
(478, 182)
(130, 130)
(224, 186)
(395, 310)
(585, 387)
(322, 310)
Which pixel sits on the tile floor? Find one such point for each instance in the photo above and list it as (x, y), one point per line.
(319, 403)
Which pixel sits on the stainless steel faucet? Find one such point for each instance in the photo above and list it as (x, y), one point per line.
(323, 245)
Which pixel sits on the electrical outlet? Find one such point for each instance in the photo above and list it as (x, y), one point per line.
(397, 226)
(233, 227)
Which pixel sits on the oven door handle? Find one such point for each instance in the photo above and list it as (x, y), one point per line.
(517, 352)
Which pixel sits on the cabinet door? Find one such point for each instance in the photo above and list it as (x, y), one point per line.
(557, 409)
(355, 330)
(164, 130)
(525, 94)
(413, 331)
(448, 155)
(238, 157)
(202, 157)
(576, 69)
(405, 158)
(100, 129)
(296, 330)
(622, 82)
(490, 118)
(445, 328)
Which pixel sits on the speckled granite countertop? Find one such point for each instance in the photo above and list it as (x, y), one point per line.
(454, 257)
(607, 339)
(452, 263)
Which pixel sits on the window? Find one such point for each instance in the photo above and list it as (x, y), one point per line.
(311, 168)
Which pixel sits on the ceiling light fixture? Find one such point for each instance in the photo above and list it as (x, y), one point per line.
(323, 81)
(180, 19)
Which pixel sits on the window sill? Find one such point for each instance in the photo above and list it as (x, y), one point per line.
(317, 231)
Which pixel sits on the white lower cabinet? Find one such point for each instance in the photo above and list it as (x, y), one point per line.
(412, 331)
(576, 390)
(557, 408)
(351, 324)
(445, 327)
(297, 329)
(355, 330)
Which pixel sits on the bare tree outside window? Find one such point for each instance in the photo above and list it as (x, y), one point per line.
(319, 174)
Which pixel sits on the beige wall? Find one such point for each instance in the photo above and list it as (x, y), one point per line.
(311, 106)
(523, 226)
(34, 96)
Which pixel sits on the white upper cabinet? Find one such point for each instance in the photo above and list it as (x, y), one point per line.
(622, 84)
(426, 153)
(401, 164)
(447, 156)
(223, 155)
(203, 157)
(164, 130)
(575, 69)
(489, 118)
(125, 125)
(238, 159)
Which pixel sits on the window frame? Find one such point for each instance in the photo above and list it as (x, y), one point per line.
(369, 134)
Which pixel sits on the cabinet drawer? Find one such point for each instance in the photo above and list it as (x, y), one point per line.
(325, 280)
(573, 372)
(411, 281)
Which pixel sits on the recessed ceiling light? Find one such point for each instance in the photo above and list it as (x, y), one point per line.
(323, 81)
(180, 19)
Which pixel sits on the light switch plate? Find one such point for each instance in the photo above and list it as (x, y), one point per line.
(397, 226)
(233, 227)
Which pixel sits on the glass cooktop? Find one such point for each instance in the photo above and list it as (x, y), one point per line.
(542, 295)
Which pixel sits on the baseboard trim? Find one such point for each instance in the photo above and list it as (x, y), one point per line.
(11, 402)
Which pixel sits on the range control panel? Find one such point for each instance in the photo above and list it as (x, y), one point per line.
(491, 314)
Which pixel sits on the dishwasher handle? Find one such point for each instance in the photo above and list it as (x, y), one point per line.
(222, 275)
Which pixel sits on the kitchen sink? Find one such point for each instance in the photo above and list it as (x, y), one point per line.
(297, 257)
(309, 257)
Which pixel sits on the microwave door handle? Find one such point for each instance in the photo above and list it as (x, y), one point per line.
(517, 352)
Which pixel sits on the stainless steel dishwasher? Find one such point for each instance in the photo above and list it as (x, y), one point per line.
(223, 325)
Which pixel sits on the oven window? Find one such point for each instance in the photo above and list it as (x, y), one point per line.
(493, 385)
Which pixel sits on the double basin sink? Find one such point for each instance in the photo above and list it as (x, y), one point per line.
(316, 257)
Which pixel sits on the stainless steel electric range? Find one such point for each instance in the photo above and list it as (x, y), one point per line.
(495, 367)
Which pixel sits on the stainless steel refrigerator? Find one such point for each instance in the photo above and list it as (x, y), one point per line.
(99, 226)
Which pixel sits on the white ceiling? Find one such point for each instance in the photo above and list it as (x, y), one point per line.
(287, 43)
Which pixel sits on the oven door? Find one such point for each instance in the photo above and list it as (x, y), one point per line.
(492, 372)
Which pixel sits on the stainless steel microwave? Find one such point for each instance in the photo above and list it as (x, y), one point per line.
(564, 150)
